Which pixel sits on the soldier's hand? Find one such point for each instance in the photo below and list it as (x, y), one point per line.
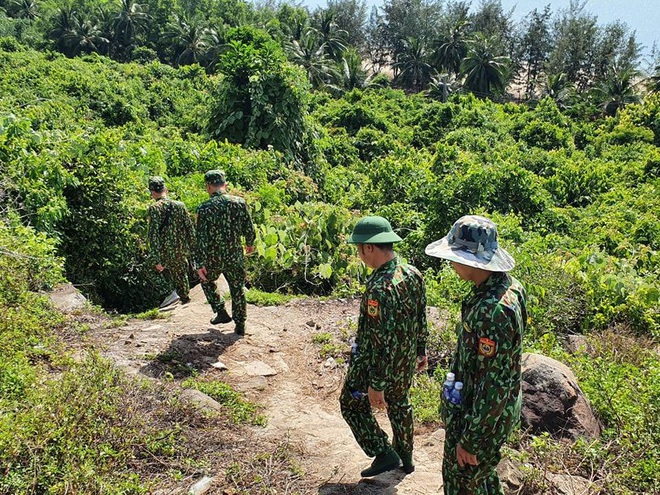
(465, 458)
(377, 399)
(202, 273)
(422, 362)
(160, 267)
(249, 249)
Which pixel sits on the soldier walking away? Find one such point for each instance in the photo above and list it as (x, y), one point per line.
(390, 344)
(171, 235)
(487, 360)
(223, 222)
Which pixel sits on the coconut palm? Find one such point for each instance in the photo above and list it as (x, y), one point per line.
(85, 37)
(329, 33)
(311, 54)
(653, 82)
(190, 39)
(617, 91)
(485, 73)
(130, 20)
(450, 50)
(64, 23)
(443, 85)
(25, 9)
(353, 74)
(412, 67)
(560, 89)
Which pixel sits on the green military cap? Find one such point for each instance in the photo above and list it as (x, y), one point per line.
(215, 177)
(472, 241)
(156, 183)
(373, 230)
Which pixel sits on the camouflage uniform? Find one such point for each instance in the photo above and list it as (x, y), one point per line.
(488, 362)
(222, 221)
(391, 332)
(171, 237)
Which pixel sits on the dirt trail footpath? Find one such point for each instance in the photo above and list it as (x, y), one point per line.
(277, 365)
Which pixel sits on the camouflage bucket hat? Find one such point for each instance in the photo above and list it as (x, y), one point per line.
(373, 230)
(156, 184)
(472, 241)
(215, 177)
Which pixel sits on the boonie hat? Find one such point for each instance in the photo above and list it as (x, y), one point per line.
(215, 177)
(373, 230)
(156, 183)
(472, 241)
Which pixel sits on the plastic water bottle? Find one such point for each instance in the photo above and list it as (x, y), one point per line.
(358, 395)
(456, 396)
(448, 386)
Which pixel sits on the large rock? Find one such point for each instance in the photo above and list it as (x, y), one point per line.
(67, 298)
(553, 401)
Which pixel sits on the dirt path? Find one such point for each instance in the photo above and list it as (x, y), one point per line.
(278, 365)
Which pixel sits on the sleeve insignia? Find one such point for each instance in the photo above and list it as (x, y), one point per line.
(466, 327)
(372, 307)
(487, 347)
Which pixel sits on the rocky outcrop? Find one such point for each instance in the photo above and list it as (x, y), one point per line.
(67, 298)
(553, 401)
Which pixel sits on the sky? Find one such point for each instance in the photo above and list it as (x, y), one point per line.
(641, 16)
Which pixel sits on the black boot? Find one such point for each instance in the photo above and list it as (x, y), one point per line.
(407, 461)
(386, 461)
(221, 317)
(240, 328)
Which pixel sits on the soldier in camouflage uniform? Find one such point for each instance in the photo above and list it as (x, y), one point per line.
(487, 358)
(222, 222)
(171, 235)
(389, 345)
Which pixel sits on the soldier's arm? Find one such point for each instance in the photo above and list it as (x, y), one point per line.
(494, 356)
(189, 228)
(423, 335)
(247, 227)
(380, 325)
(202, 238)
(152, 234)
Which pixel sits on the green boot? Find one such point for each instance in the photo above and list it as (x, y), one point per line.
(407, 461)
(386, 461)
(221, 317)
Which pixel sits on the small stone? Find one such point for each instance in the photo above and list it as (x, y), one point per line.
(330, 363)
(220, 365)
(311, 323)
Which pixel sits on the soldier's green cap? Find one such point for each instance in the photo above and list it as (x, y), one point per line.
(373, 230)
(156, 183)
(472, 241)
(216, 177)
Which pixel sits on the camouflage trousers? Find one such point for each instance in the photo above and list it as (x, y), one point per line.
(366, 430)
(176, 272)
(470, 480)
(235, 276)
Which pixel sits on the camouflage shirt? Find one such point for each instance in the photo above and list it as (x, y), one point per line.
(392, 329)
(171, 233)
(222, 222)
(488, 360)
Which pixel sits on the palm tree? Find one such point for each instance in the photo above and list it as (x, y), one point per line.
(329, 33)
(311, 54)
(443, 85)
(485, 73)
(190, 39)
(617, 91)
(86, 37)
(131, 19)
(653, 82)
(560, 89)
(25, 9)
(450, 50)
(412, 67)
(353, 75)
(65, 22)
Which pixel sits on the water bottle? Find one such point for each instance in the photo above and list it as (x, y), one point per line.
(358, 395)
(448, 386)
(456, 395)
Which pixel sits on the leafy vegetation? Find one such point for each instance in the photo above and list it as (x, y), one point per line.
(90, 108)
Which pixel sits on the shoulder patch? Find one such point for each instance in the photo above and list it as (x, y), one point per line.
(487, 347)
(372, 307)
